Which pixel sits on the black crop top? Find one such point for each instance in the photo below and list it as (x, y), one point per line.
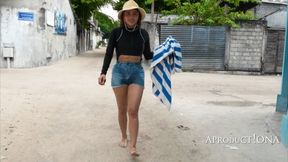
(126, 42)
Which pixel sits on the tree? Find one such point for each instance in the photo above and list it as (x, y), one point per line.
(146, 5)
(106, 23)
(210, 12)
(201, 12)
(85, 8)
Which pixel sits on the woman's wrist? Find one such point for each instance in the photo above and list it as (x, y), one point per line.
(103, 73)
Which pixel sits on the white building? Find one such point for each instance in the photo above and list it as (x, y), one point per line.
(273, 11)
(35, 33)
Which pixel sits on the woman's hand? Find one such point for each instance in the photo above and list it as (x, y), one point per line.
(147, 63)
(102, 79)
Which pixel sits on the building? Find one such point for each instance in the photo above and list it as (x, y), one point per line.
(35, 33)
(273, 11)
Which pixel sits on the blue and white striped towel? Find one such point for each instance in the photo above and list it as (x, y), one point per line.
(167, 60)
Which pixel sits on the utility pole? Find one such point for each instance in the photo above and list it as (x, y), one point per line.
(282, 99)
(152, 38)
(152, 10)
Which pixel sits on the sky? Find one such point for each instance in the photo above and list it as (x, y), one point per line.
(108, 10)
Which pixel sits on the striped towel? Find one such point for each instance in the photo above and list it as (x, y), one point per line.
(167, 60)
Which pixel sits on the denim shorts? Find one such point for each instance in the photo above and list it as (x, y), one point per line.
(126, 73)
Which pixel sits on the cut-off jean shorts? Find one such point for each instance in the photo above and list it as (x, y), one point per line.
(126, 73)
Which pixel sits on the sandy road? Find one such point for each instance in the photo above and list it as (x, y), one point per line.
(59, 113)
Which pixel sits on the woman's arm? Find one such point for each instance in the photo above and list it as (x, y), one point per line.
(148, 54)
(109, 52)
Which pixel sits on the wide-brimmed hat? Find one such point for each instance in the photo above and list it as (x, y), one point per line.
(131, 5)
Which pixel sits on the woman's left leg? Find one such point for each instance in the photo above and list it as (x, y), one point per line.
(134, 99)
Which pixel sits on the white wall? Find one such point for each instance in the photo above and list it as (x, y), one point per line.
(274, 13)
(277, 20)
(94, 40)
(35, 46)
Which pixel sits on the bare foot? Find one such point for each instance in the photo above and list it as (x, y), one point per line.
(133, 151)
(123, 143)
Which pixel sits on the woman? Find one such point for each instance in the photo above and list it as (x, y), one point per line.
(131, 42)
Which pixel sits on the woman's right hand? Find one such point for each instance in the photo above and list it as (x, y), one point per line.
(102, 79)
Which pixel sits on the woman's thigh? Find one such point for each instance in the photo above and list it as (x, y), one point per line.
(121, 97)
(135, 92)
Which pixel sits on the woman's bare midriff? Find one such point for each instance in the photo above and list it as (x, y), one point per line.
(129, 58)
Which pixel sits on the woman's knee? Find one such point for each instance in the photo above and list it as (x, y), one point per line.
(122, 110)
(132, 113)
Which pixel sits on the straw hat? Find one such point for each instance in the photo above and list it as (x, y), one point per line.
(131, 5)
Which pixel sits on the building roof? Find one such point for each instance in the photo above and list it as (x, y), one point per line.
(159, 18)
(276, 1)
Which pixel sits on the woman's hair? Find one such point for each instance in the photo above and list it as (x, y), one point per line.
(138, 22)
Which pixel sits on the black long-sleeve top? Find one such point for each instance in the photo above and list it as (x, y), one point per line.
(134, 43)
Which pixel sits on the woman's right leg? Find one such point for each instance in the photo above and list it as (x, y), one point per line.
(121, 98)
(134, 99)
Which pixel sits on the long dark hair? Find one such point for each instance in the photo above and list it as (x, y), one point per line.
(138, 22)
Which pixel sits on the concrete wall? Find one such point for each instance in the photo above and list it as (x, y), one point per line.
(153, 31)
(245, 47)
(24, 4)
(97, 37)
(35, 45)
(81, 41)
(277, 20)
